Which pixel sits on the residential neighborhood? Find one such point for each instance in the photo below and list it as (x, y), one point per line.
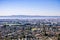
(29, 29)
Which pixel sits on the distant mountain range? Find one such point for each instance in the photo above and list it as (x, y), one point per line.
(27, 16)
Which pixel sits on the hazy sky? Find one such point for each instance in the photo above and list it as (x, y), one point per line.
(30, 7)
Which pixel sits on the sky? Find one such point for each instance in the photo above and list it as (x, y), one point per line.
(30, 7)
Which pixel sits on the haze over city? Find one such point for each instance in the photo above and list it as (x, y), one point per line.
(30, 7)
(29, 19)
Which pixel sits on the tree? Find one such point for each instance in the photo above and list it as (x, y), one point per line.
(58, 36)
(44, 30)
(0, 36)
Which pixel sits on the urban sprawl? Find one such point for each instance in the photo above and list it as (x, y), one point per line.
(30, 29)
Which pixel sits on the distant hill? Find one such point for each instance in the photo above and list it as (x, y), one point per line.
(27, 17)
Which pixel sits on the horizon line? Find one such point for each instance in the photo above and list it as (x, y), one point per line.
(26, 15)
